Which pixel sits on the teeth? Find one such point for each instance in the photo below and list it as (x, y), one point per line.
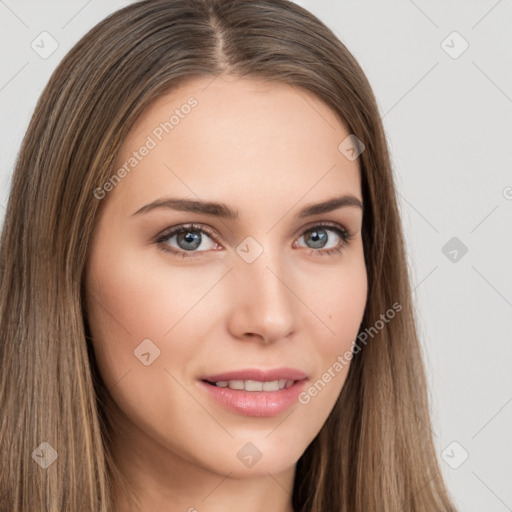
(236, 384)
(271, 386)
(255, 385)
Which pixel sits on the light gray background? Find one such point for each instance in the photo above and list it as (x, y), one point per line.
(449, 124)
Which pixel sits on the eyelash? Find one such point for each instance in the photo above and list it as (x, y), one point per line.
(345, 235)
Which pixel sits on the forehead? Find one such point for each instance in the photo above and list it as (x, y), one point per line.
(232, 137)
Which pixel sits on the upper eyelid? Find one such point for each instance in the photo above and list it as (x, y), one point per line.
(170, 232)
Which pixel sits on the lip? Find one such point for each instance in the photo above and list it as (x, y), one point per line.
(256, 403)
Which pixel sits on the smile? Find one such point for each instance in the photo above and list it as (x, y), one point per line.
(255, 392)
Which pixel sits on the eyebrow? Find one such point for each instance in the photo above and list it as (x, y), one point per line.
(224, 211)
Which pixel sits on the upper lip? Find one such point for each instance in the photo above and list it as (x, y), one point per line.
(258, 374)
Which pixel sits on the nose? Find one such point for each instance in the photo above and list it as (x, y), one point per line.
(264, 306)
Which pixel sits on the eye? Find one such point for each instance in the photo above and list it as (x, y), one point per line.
(189, 238)
(318, 237)
(194, 240)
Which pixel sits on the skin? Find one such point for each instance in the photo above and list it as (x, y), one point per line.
(267, 150)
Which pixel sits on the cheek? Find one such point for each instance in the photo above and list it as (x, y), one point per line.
(340, 305)
(144, 327)
(130, 300)
(337, 296)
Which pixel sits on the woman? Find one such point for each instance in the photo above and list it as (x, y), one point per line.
(205, 303)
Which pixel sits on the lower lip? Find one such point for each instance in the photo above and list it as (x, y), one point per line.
(256, 403)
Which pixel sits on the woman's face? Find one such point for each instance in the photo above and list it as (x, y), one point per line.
(186, 327)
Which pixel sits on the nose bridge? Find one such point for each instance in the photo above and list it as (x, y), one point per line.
(265, 302)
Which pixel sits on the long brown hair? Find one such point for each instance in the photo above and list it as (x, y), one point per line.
(375, 452)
